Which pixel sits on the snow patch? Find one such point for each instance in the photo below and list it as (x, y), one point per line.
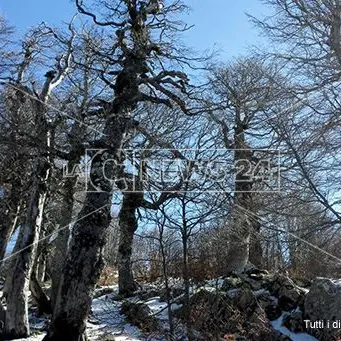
(277, 324)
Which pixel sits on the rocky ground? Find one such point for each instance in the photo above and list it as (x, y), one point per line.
(254, 306)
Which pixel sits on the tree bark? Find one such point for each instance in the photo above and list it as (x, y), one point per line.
(38, 294)
(128, 226)
(17, 297)
(17, 283)
(239, 246)
(256, 249)
(62, 240)
(13, 164)
(85, 262)
(185, 275)
(2, 322)
(66, 210)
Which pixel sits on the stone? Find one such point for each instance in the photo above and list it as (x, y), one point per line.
(245, 301)
(294, 322)
(270, 305)
(289, 298)
(288, 293)
(147, 294)
(102, 292)
(323, 303)
(236, 318)
(140, 315)
(174, 293)
(234, 282)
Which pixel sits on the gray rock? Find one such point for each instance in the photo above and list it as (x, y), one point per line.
(288, 293)
(245, 301)
(323, 302)
(270, 305)
(174, 293)
(289, 298)
(145, 295)
(140, 315)
(235, 282)
(294, 322)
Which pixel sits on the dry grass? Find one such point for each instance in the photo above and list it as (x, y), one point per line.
(108, 277)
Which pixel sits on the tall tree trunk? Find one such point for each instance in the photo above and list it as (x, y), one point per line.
(66, 210)
(17, 283)
(239, 246)
(166, 280)
(185, 275)
(256, 249)
(62, 240)
(14, 164)
(38, 294)
(85, 262)
(17, 297)
(2, 322)
(128, 226)
(17, 313)
(42, 264)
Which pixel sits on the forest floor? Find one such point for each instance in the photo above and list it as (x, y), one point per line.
(107, 323)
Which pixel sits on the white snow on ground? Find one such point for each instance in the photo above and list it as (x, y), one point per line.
(336, 282)
(210, 285)
(109, 322)
(159, 309)
(277, 324)
(216, 283)
(232, 292)
(125, 338)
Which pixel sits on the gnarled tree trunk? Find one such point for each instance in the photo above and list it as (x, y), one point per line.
(18, 283)
(62, 240)
(66, 208)
(85, 262)
(17, 311)
(128, 226)
(38, 294)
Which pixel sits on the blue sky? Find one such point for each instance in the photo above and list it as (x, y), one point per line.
(220, 23)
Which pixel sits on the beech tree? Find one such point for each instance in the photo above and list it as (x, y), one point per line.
(83, 90)
(18, 278)
(138, 73)
(139, 190)
(307, 35)
(242, 94)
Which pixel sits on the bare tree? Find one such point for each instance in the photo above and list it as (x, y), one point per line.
(132, 56)
(243, 92)
(308, 34)
(26, 245)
